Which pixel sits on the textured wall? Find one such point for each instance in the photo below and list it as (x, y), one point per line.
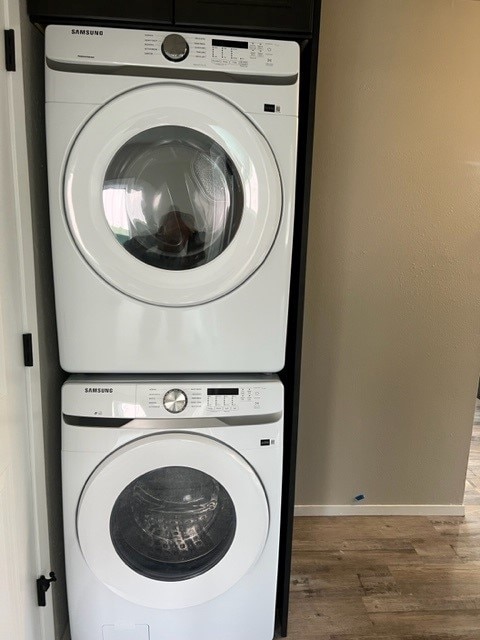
(391, 344)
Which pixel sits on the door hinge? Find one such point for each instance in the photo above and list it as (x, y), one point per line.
(27, 350)
(10, 64)
(43, 585)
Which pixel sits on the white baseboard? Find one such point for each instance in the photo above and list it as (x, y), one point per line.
(379, 510)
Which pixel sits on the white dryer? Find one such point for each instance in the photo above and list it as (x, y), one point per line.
(171, 163)
(171, 492)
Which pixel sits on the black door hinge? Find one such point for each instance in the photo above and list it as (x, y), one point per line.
(10, 64)
(27, 350)
(43, 585)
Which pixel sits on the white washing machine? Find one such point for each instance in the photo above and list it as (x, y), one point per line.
(171, 492)
(171, 163)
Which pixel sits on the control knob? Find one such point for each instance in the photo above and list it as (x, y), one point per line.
(175, 400)
(175, 47)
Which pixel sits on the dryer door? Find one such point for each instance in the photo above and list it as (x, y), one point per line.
(172, 195)
(172, 520)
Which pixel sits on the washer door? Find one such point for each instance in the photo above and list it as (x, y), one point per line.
(172, 520)
(172, 195)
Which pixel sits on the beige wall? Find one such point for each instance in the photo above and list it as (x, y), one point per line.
(391, 343)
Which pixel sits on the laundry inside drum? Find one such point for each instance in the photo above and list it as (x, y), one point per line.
(173, 523)
(173, 198)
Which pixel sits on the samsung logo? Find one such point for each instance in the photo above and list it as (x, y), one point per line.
(98, 390)
(87, 32)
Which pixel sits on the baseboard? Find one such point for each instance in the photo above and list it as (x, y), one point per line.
(379, 510)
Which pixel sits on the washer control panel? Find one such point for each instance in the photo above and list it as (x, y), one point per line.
(192, 401)
(231, 399)
(173, 398)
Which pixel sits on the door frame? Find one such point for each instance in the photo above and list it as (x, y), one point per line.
(27, 296)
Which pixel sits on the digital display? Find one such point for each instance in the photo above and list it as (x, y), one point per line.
(222, 392)
(233, 44)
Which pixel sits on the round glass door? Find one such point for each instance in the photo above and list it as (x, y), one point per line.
(172, 195)
(173, 523)
(172, 520)
(173, 198)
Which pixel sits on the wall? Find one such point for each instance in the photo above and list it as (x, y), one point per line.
(391, 344)
(51, 376)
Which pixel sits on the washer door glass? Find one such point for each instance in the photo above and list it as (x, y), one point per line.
(173, 197)
(173, 523)
(172, 520)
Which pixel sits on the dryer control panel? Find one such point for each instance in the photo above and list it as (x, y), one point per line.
(173, 398)
(216, 53)
(268, 60)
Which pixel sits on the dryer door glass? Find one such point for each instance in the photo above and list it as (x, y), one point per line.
(173, 523)
(173, 197)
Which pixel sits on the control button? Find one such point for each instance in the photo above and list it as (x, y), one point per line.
(175, 47)
(175, 400)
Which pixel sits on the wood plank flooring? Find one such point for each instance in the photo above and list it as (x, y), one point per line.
(472, 485)
(390, 578)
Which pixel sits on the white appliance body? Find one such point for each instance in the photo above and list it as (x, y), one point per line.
(172, 519)
(171, 200)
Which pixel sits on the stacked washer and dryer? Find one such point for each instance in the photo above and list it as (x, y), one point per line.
(171, 163)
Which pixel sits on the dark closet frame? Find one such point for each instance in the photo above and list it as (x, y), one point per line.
(41, 13)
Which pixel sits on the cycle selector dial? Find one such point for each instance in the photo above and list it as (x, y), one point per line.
(175, 47)
(175, 400)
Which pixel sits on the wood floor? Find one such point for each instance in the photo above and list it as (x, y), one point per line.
(472, 485)
(390, 578)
